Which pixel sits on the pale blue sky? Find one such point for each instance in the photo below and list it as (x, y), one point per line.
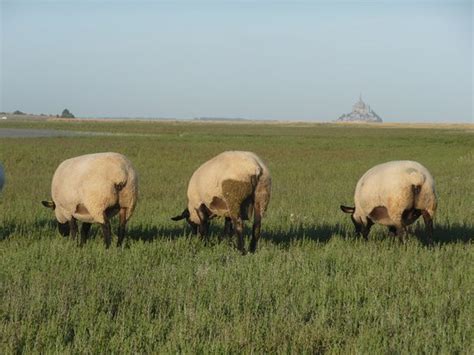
(412, 60)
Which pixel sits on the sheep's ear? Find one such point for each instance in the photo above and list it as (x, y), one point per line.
(177, 218)
(347, 209)
(49, 204)
(183, 215)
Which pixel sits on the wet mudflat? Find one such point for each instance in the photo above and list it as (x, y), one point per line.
(35, 133)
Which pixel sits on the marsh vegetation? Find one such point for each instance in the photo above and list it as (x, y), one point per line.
(311, 287)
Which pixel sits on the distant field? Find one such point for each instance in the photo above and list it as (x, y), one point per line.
(311, 287)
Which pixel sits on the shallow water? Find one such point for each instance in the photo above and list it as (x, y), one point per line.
(34, 133)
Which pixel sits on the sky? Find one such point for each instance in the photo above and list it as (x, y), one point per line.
(293, 60)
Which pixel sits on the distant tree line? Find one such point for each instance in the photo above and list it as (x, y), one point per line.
(65, 114)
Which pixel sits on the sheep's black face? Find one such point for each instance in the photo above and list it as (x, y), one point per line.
(185, 215)
(204, 228)
(359, 227)
(194, 226)
(64, 229)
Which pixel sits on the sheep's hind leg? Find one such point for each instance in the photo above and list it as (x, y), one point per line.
(228, 231)
(122, 225)
(257, 223)
(401, 233)
(429, 226)
(73, 228)
(398, 223)
(239, 231)
(107, 232)
(86, 227)
(392, 231)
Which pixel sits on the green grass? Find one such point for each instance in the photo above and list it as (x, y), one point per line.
(311, 287)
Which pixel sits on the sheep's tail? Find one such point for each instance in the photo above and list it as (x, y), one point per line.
(424, 196)
(262, 192)
(417, 180)
(127, 190)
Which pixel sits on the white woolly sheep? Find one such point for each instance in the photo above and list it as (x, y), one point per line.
(233, 185)
(394, 194)
(2, 177)
(93, 188)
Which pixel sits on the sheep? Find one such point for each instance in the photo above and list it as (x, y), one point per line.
(394, 194)
(233, 185)
(2, 178)
(93, 188)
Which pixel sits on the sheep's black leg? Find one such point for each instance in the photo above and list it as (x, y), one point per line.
(204, 229)
(107, 232)
(73, 228)
(366, 229)
(86, 227)
(228, 227)
(257, 223)
(392, 231)
(429, 227)
(365, 233)
(401, 233)
(239, 231)
(122, 225)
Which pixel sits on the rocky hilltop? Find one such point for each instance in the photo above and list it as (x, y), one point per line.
(361, 112)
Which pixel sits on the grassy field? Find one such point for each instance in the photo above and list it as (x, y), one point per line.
(311, 287)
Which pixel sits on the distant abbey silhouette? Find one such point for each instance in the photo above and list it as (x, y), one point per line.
(361, 112)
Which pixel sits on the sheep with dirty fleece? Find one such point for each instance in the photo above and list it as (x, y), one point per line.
(394, 194)
(234, 184)
(93, 188)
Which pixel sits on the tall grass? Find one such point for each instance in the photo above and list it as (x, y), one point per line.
(311, 286)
